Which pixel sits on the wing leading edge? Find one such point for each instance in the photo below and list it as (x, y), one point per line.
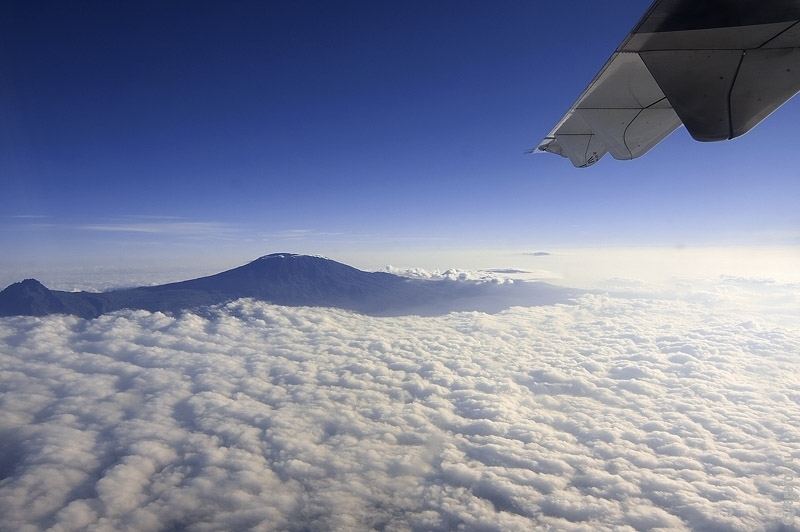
(719, 67)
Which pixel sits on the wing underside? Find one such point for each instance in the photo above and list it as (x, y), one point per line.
(719, 67)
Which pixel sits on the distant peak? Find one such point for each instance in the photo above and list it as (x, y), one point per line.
(29, 284)
(274, 256)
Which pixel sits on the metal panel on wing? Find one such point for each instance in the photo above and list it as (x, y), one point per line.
(626, 108)
(717, 66)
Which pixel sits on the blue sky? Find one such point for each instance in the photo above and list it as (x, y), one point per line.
(196, 130)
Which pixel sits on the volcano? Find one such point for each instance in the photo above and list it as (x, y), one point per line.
(290, 280)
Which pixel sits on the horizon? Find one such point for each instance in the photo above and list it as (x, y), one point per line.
(611, 267)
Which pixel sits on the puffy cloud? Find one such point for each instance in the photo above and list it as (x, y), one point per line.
(611, 414)
(492, 275)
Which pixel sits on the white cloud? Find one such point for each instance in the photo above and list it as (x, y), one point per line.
(613, 414)
(492, 275)
(165, 227)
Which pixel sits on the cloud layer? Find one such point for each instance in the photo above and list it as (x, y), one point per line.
(613, 414)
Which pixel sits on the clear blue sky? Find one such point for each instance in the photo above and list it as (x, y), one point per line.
(155, 129)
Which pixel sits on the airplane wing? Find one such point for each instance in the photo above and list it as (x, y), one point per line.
(719, 67)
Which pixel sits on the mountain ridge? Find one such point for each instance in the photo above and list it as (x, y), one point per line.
(291, 280)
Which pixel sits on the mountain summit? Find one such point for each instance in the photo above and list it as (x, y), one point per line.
(291, 280)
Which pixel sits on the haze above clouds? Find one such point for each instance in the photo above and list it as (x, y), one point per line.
(618, 413)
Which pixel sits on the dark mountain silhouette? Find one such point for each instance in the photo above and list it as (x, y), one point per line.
(291, 280)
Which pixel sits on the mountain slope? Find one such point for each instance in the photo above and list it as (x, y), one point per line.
(291, 280)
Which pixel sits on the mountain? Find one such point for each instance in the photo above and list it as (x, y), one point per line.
(291, 280)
